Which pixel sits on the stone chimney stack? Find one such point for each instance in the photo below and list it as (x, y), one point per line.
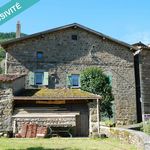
(18, 30)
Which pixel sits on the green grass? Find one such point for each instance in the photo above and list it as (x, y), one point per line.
(64, 144)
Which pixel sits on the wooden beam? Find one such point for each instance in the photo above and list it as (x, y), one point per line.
(22, 98)
(51, 102)
(98, 121)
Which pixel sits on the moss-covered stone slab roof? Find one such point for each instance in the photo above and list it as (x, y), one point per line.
(53, 94)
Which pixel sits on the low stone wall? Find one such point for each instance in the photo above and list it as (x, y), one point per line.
(140, 139)
(6, 108)
(42, 121)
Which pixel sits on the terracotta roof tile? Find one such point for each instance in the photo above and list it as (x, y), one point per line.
(9, 78)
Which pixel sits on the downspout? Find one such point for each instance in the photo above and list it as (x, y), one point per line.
(138, 79)
(98, 121)
(141, 98)
(6, 57)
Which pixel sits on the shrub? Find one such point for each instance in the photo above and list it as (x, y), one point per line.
(110, 123)
(2, 54)
(95, 81)
(146, 127)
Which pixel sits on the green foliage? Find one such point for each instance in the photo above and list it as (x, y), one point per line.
(2, 54)
(10, 35)
(1, 70)
(5, 37)
(146, 127)
(109, 123)
(95, 81)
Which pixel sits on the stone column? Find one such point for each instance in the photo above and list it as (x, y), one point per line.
(93, 119)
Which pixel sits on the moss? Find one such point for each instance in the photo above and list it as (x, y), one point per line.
(60, 93)
(126, 134)
(114, 132)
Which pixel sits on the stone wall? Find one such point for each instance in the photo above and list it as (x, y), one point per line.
(44, 121)
(7, 91)
(18, 85)
(93, 120)
(139, 139)
(6, 109)
(145, 79)
(62, 56)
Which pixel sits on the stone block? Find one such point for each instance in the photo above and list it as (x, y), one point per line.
(94, 129)
(94, 135)
(93, 118)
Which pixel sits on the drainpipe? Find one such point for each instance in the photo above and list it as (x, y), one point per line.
(6, 57)
(141, 98)
(98, 121)
(140, 78)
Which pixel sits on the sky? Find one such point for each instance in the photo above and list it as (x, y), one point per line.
(125, 20)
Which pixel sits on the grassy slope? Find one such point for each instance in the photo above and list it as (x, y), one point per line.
(64, 144)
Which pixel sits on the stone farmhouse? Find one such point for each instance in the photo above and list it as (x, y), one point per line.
(42, 79)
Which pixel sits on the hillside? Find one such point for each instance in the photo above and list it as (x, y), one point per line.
(6, 37)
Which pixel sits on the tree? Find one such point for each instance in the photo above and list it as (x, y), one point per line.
(1, 70)
(95, 81)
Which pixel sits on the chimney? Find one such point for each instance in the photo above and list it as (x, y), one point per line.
(18, 30)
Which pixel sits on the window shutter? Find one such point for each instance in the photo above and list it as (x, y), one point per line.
(110, 79)
(31, 78)
(79, 81)
(45, 81)
(69, 80)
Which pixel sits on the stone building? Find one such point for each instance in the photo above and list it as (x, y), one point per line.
(52, 58)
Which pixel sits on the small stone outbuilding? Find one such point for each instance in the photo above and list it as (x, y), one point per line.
(73, 109)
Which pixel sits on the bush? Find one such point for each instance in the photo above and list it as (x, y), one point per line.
(109, 123)
(1, 71)
(95, 81)
(2, 54)
(146, 127)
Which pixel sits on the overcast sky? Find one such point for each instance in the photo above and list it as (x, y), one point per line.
(126, 20)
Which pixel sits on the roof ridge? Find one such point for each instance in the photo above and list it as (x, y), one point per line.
(4, 44)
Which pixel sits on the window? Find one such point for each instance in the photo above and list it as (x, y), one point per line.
(39, 78)
(39, 55)
(74, 80)
(74, 37)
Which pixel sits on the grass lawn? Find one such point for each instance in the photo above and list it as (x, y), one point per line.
(64, 144)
